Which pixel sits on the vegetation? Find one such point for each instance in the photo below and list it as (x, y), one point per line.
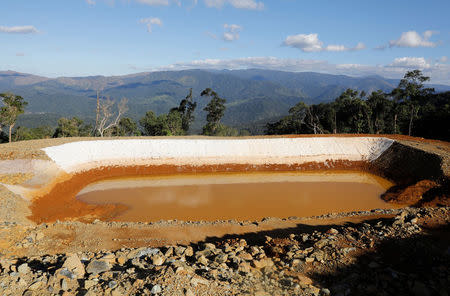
(409, 109)
(13, 106)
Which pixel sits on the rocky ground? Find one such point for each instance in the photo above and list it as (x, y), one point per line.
(408, 254)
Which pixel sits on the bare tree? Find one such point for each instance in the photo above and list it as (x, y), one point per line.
(106, 115)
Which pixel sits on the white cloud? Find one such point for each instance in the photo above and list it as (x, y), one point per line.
(231, 32)
(90, 2)
(150, 22)
(19, 30)
(443, 60)
(240, 4)
(410, 62)
(154, 2)
(413, 39)
(439, 73)
(311, 43)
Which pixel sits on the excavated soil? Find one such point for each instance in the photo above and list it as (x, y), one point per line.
(420, 169)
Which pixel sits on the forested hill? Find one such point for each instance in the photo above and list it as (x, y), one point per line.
(252, 95)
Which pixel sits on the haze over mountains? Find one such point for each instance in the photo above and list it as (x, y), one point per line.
(253, 96)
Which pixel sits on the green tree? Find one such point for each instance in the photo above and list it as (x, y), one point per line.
(163, 125)
(186, 110)
(73, 127)
(216, 110)
(126, 127)
(410, 91)
(23, 133)
(13, 106)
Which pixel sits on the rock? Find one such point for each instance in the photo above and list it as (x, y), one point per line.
(110, 258)
(261, 293)
(35, 286)
(121, 260)
(244, 267)
(304, 280)
(112, 284)
(158, 260)
(141, 252)
(262, 263)
(89, 284)
(197, 280)
(189, 252)
(309, 259)
(64, 285)
(221, 258)
(156, 289)
(322, 243)
(325, 292)
(209, 246)
(245, 256)
(74, 265)
(23, 268)
(332, 231)
(189, 293)
(202, 260)
(97, 266)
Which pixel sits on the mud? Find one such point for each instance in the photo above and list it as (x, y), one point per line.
(241, 196)
(57, 201)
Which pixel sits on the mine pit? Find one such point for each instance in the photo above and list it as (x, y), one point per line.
(237, 196)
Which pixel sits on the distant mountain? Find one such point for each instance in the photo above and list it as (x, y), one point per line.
(253, 96)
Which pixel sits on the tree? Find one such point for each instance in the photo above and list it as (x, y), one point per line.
(13, 106)
(410, 91)
(106, 120)
(127, 127)
(186, 110)
(216, 110)
(73, 127)
(23, 133)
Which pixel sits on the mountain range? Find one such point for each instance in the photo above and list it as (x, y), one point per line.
(253, 96)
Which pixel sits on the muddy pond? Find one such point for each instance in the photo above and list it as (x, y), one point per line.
(239, 196)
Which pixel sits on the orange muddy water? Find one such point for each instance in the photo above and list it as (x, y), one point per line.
(239, 196)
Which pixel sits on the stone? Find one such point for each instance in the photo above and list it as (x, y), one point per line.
(189, 293)
(141, 252)
(74, 265)
(325, 292)
(198, 280)
(322, 243)
(64, 285)
(309, 259)
(89, 284)
(156, 289)
(221, 258)
(262, 263)
(23, 268)
(35, 286)
(304, 280)
(158, 260)
(121, 260)
(202, 260)
(245, 256)
(244, 267)
(97, 266)
(332, 231)
(189, 252)
(112, 284)
(210, 246)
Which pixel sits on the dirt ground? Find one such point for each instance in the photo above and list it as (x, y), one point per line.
(20, 237)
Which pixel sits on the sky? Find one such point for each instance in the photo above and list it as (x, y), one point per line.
(117, 37)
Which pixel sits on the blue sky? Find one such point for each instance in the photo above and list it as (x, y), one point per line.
(116, 37)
